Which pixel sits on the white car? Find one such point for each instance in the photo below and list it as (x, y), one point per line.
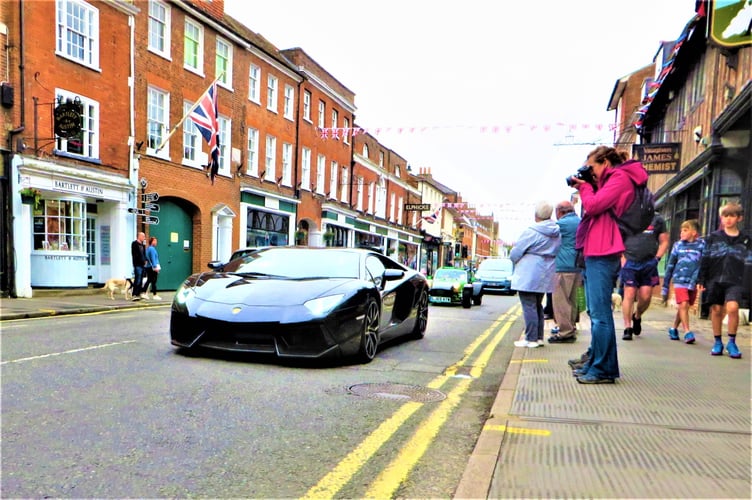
(496, 275)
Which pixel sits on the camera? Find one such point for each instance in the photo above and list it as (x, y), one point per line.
(584, 173)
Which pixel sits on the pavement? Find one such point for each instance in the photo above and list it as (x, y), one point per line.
(677, 424)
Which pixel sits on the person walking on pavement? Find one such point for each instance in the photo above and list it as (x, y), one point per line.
(639, 273)
(726, 254)
(152, 269)
(600, 240)
(683, 267)
(568, 276)
(534, 271)
(138, 257)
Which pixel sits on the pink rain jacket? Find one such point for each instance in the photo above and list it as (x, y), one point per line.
(598, 235)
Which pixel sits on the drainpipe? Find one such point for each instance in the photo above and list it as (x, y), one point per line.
(11, 253)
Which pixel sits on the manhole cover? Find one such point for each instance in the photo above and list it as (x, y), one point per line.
(397, 392)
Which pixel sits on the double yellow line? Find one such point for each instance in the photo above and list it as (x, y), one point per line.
(397, 471)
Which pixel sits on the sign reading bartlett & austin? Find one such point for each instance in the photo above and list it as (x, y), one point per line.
(68, 118)
(658, 158)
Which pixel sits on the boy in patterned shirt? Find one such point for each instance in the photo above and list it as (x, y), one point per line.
(722, 274)
(683, 268)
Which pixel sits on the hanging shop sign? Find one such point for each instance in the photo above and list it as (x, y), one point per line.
(68, 119)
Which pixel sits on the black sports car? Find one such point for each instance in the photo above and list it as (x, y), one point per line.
(301, 302)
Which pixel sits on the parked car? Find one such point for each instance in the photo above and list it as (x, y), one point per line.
(451, 285)
(301, 302)
(496, 274)
(217, 265)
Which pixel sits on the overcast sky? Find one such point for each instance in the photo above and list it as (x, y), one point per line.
(485, 91)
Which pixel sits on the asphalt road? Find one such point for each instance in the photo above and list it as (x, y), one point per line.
(101, 405)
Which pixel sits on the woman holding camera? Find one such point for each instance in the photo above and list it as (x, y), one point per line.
(606, 195)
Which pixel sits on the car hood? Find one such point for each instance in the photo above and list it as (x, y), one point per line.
(234, 289)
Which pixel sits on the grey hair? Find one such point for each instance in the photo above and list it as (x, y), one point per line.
(543, 210)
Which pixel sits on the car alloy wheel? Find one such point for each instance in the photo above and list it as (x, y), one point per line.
(369, 342)
(421, 317)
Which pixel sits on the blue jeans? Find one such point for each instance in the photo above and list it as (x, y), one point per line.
(138, 280)
(532, 311)
(600, 279)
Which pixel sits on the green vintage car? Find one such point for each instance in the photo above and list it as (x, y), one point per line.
(451, 285)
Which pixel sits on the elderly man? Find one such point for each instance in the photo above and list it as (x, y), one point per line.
(534, 271)
(568, 277)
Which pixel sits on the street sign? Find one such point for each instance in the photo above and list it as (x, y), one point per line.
(138, 211)
(417, 206)
(149, 197)
(150, 219)
(152, 207)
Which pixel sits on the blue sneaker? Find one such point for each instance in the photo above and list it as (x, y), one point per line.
(689, 338)
(555, 330)
(717, 349)
(733, 350)
(673, 334)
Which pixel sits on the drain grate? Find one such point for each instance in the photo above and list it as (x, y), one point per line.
(397, 392)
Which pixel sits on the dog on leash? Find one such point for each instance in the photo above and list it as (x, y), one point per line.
(124, 285)
(615, 301)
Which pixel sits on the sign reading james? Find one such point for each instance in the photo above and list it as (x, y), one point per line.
(658, 158)
(418, 206)
(68, 119)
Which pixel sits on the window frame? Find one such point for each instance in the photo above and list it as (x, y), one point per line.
(89, 35)
(166, 24)
(199, 42)
(164, 121)
(226, 59)
(90, 128)
(305, 168)
(190, 131)
(307, 105)
(254, 84)
(270, 158)
(289, 102)
(272, 95)
(252, 148)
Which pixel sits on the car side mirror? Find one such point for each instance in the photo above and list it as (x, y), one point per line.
(393, 274)
(216, 265)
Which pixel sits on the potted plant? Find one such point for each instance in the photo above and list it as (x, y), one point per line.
(329, 236)
(31, 196)
(300, 236)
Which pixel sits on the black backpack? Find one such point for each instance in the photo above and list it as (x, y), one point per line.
(639, 214)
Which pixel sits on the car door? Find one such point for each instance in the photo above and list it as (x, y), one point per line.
(376, 269)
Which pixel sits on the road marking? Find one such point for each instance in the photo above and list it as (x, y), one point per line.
(343, 472)
(42, 356)
(528, 361)
(517, 430)
(397, 471)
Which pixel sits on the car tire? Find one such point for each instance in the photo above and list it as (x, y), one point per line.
(421, 316)
(369, 336)
(478, 300)
(467, 300)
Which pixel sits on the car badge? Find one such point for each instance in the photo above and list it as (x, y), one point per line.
(235, 310)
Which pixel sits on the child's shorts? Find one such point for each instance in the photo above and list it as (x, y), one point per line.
(720, 293)
(685, 295)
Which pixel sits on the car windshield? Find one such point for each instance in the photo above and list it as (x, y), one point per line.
(298, 263)
(450, 274)
(496, 265)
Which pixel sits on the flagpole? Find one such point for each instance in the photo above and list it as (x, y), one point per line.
(195, 104)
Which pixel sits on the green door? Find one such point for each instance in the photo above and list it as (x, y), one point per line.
(174, 243)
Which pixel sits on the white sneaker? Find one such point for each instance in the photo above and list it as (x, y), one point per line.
(541, 343)
(144, 296)
(525, 343)
(156, 297)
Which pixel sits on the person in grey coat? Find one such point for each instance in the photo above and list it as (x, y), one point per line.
(534, 257)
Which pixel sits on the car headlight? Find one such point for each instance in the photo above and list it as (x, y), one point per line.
(184, 293)
(323, 305)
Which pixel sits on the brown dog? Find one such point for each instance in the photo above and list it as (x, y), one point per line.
(125, 286)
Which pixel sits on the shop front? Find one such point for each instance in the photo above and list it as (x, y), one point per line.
(74, 230)
(267, 220)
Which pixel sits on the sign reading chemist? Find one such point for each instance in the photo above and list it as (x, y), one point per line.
(658, 158)
(68, 119)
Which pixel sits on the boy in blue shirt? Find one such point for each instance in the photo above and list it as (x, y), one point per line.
(684, 267)
(727, 252)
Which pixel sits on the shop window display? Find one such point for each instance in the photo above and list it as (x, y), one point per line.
(60, 225)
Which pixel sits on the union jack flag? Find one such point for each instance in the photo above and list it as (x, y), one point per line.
(433, 217)
(205, 117)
